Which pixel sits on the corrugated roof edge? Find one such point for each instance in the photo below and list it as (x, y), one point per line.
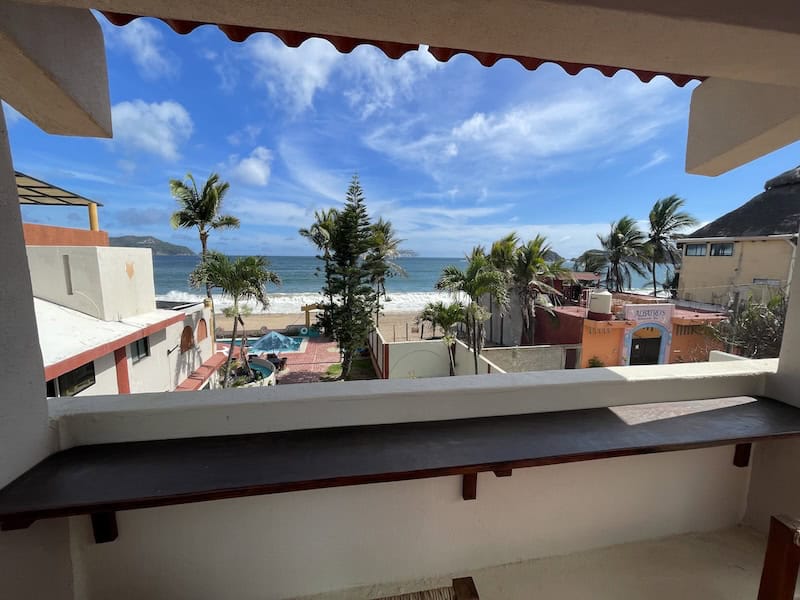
(293, 39)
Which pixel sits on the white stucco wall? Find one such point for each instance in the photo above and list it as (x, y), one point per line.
(409, 360)
(519, 359)
(34, 562)
(284, 545)
(128, 285)
(465, 363)
(182, 364)
(152, 373)
(107, 283)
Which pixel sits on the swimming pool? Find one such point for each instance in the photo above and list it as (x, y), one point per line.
(298, 344)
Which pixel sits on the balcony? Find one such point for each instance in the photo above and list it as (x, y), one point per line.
(682, 522)
(650, 525)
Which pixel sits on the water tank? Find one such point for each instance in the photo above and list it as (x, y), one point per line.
(600, 306)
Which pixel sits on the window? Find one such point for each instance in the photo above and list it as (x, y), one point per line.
(721, 249)
(202, 330)
(695, 250)
(73, 382)
(187, 339)
(140, 349)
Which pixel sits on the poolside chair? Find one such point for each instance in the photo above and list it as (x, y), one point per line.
(463, 588)
(278, 361)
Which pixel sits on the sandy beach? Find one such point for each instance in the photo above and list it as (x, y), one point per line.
(399, 326)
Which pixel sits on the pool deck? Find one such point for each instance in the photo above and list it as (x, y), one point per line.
(305, 366)
(309, 366)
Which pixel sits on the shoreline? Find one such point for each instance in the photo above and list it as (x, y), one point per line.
(393, 325)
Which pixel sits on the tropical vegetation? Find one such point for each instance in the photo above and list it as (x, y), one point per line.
(358, 256)
(241, 279)
(667, 220)
(532, 276)
(201, 208)
(479, 279)
(626, 249)
(754, 328)
(446, 317)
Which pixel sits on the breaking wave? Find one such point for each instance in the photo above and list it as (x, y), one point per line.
(292, 303)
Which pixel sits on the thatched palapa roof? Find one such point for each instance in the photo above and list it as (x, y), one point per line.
(774, 211)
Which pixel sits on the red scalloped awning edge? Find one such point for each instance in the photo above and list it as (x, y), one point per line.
(395, 50)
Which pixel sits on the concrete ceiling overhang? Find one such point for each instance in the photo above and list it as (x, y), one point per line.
(745, 51)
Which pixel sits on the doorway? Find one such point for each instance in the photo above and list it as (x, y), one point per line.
(645, 351)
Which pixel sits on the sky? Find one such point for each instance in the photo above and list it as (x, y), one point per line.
(454, 154)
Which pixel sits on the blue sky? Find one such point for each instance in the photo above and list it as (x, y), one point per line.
(455, 154)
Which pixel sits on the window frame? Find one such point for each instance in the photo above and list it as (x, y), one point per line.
(58, 385)
(140, 349)
(721, 245)
(704, 247)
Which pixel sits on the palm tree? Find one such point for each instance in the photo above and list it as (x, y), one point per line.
(591, 261)
(321, 229)
(666, 221)
(624, 250)
(446, 316)
(201, 209)
(532, 276)
(245, 278)
(479, 279)
(502, 256)
(320, 234)
(385, 252)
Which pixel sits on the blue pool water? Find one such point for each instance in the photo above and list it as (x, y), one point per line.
(297, 341)
(265, 371)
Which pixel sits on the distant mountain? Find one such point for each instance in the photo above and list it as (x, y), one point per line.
(553, 255)
(158, 247)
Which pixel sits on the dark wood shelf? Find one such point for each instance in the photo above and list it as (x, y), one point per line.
(101, 479)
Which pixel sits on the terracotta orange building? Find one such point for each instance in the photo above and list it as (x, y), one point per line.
(632, 334)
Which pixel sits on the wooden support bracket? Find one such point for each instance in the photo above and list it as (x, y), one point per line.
(741, 455)
(464, 589)
(469, 486)
(104, 526)
(502, 473)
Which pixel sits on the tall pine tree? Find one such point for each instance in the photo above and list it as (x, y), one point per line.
(350, 271)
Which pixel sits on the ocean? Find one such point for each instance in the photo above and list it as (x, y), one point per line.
(302, 283)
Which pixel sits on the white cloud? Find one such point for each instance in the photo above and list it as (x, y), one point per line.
(158, 127)
(292, 75)
(274, 212)
(372, 82)
(253, 169)
(144, 42)
(376, 82)
(245, 135)
(319, 181)
(584, 119)
(659, 156)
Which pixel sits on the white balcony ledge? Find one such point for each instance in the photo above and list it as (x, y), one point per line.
(104, 419)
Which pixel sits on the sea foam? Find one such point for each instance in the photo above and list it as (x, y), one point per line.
(292, 303)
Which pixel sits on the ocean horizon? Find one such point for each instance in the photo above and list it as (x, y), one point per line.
(302, 281)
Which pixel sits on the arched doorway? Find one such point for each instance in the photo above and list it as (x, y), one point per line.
(647, 344)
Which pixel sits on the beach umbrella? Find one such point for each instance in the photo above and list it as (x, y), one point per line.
(272, 342)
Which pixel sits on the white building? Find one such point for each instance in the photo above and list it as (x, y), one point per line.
(100, 331)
